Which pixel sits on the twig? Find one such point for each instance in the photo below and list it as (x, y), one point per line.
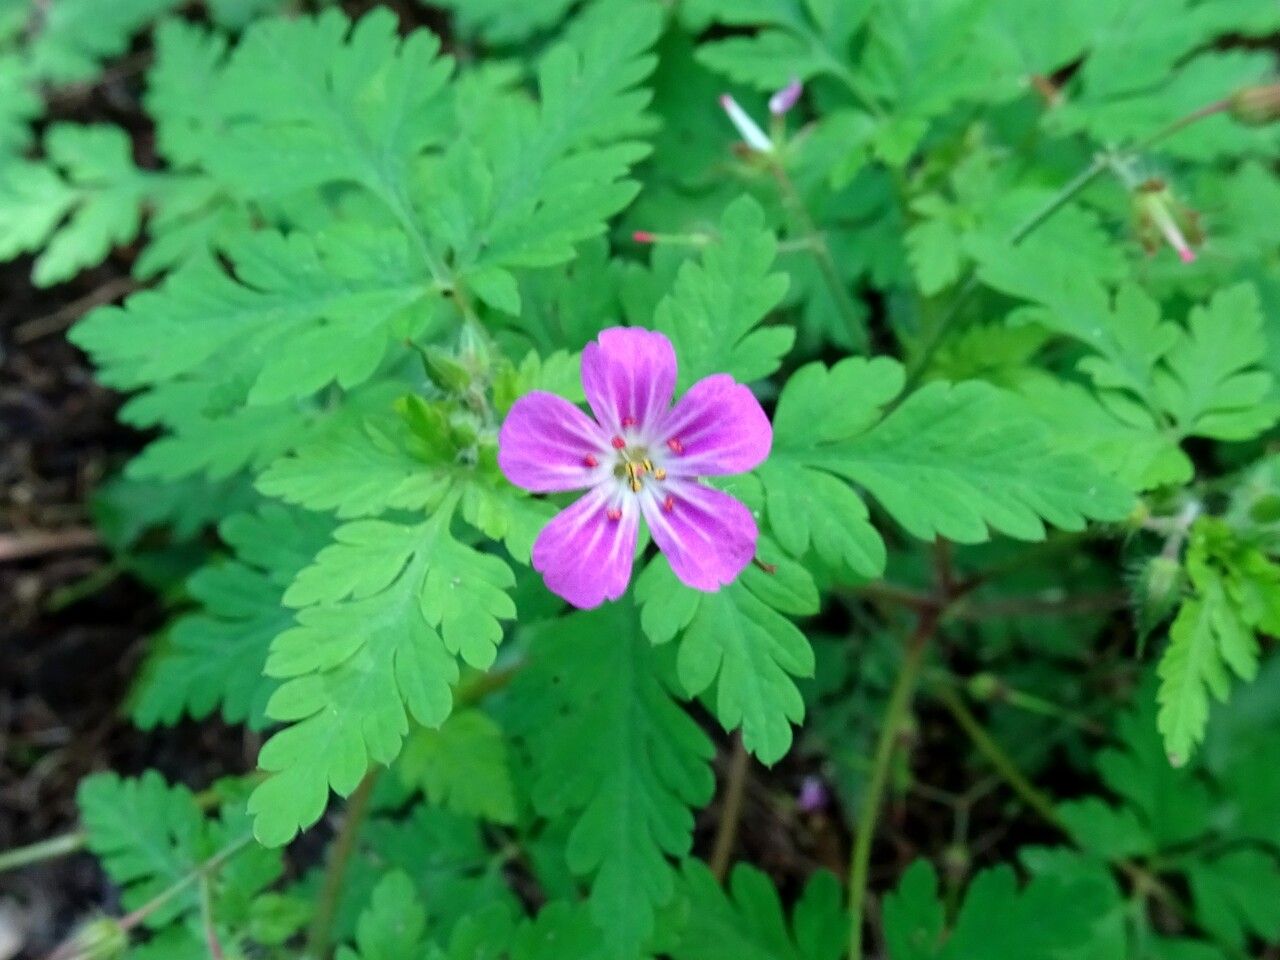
(58, 846)
(890, 726)
(206, 919)
(730, 810)
(37, 543)
(69, 314)
(136, 917)
(1042, 606)
(318, 937)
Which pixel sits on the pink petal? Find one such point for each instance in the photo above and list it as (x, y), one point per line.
(629, 376)
(547, 445)
(782, 101)
(585, 556)
(708, 536)
(717, 428)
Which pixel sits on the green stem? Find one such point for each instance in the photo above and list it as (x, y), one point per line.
(58, 846)
(210, 866)
(895, 711)
(318, 937)
(1144, 881)
(996, 756)
(817, 246)
(731, 810)
(1068, 191)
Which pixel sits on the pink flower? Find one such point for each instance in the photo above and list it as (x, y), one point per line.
(786, 98)
(638, 456)
(751, 133)
(1160, 215)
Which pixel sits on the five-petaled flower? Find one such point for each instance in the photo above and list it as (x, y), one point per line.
(638, 456)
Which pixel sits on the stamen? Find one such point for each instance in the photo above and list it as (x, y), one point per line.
(659, 474)
(675, 445)
(629, 421)
(619, 443)
(636, 485)
(669, 504)
(591, 461)
(647, 464)
(613, 513)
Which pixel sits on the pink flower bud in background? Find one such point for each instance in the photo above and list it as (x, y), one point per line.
(813, 795)
(751, 133)
(786, 98)
(1162, 217)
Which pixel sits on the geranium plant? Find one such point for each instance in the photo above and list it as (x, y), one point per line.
(616, 435)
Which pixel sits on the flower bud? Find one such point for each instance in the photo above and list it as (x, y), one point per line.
(101, 939)
(985, 686)
(813, 795)
(752, 135)
(445, 370)
(786, 98)
(1257, 105)
(1161, 216)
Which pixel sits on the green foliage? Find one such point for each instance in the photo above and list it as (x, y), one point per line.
(215, 656)
(1048, 918)
(746, 921)
(739, 643)
(1000, 409)
(617, 760)
(385, 611)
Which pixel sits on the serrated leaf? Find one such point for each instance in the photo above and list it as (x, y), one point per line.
(1050, 917)
(148, 835)
(388, 609)
(747, 921)
(715, 307)
(214, 658)
(736, 642)
(1235, 896)
(75, 36)
(317, 100)
(462, 766)
(617, 758)
(393, 926)
(1214, 386)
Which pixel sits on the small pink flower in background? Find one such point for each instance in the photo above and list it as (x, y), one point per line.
(639, 456)
(1161, 216)
(754, 137)
(813, 795)
(786, 98)
(779, 104)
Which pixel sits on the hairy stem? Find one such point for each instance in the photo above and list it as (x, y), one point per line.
(318, 937)
(896, 710)
(731, 810)
(816, 244)
(58, 846)
(212, 944)
(995, 755)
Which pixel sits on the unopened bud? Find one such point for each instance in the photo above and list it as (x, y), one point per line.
(445, 370)
(1257, 105)
(752, 135)
(813, 795)
(786, 98)
(1161, 216)
(985, 686)
(101, 939)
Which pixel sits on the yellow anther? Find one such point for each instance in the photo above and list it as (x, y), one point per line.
(659, 474)
(636, 485)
